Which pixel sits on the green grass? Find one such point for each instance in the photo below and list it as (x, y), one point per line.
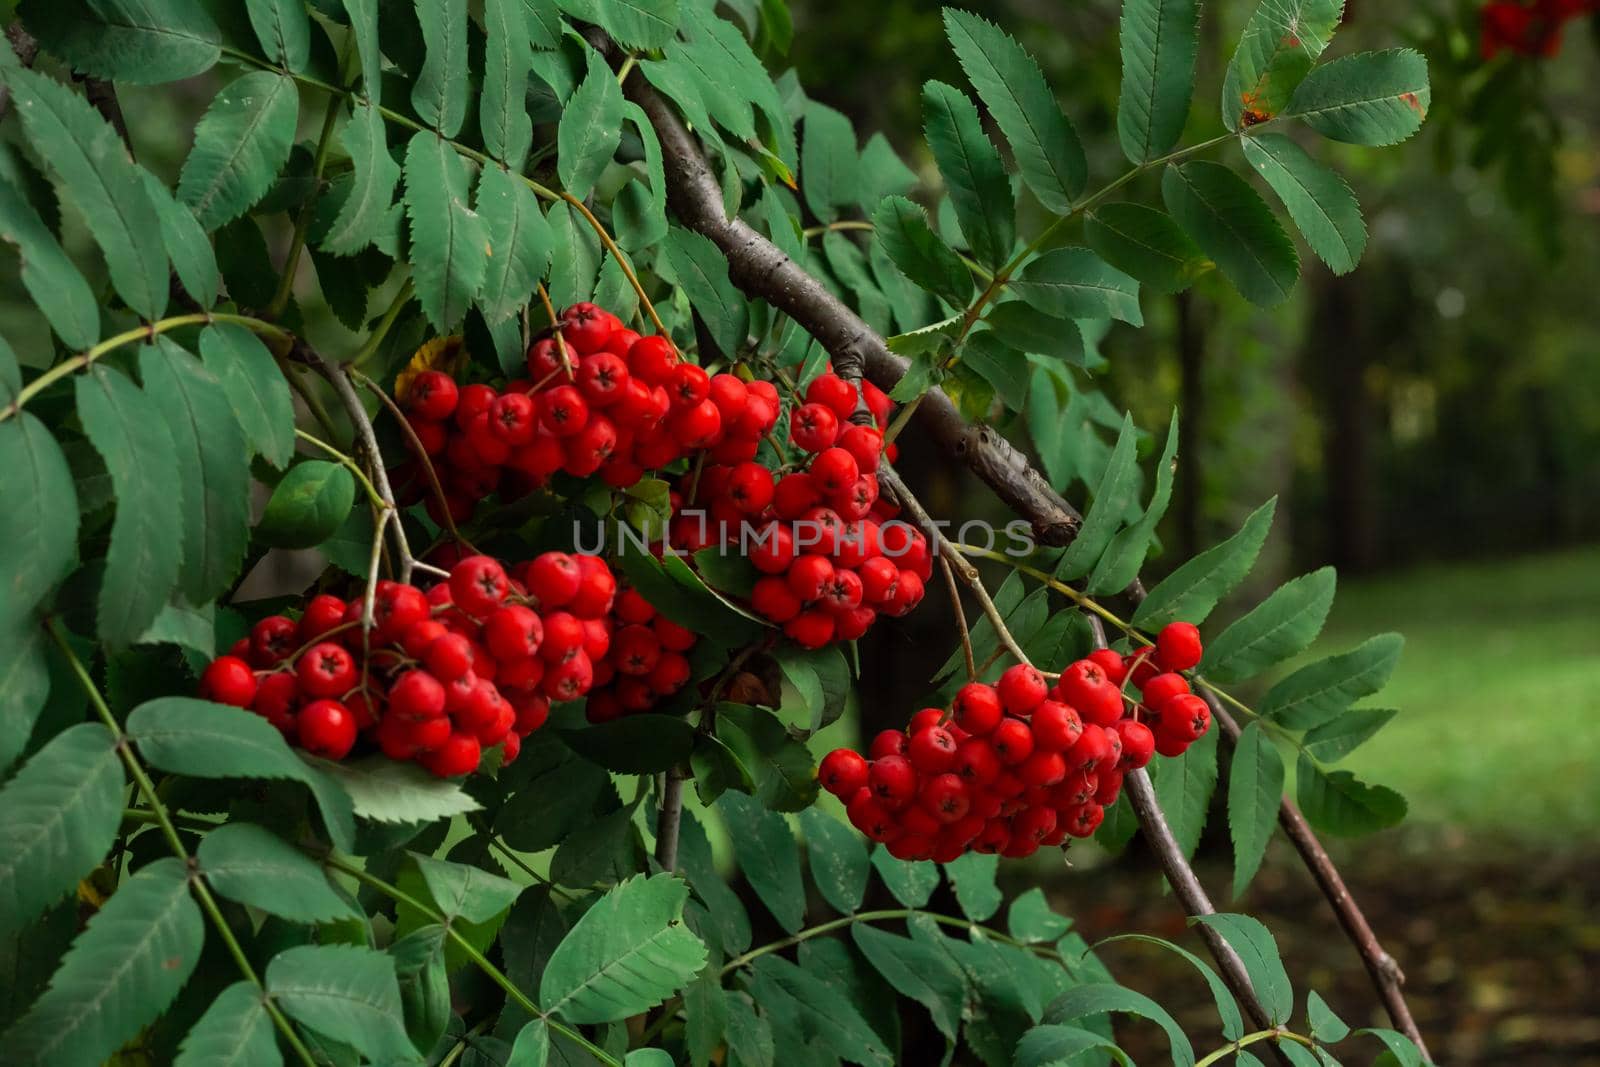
(1498, 691)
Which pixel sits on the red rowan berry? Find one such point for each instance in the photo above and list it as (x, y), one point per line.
(977, 708)
(931, 749)
(1178, 646)
(813, 427)
(947, 797)
(458, 755)
(229, 680)
(326, 728)
(432, 395)
(1022, 688)
(810, 629)
(477, 585)
(326, 670)
(842, 772)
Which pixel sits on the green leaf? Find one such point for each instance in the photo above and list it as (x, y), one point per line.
(829, 165)
(204, 740)
(94, 169)
(466, 891)
(1280, 43)
(235, 1030)
(1004, 369)
(1074, 283)
(119, 975)
(628, 953)
(972, 877)
(181, 623)
(58, 818)
(574, 256)
(749, 1034)
(441, 90)
(728, 916)
(781, 769)
(1337, 802)
(1008, 80)
(186, 242)
(239, 146)
(652, 226)
(363, 16)
(283, 30)
(449, 241)
(553, 803)
(141, 42)
(256, 391)
(1227, 1006)
(212, 462)
(1124, 557)
(902, 229)
(1281, 626)
(911, 883)
(1316, 693)
(1319, 201)
(39, 524)
(641, 24)
(1159, 41)
(634, 744)
(918, 971)
(1031, 919)
(836, 1021)
(1326, 1026)
(766, 850)
(881, 173)
(52, 280)
(1100, 998)
(705, 1009)
(254, 866)
(345, 992)
(1255, 789)
(1333, 741)
(384, 790)
(1048, 1046)
(1023, 327)
(1400, 1047)
(1145, 244)
(421, 967)
(1235, 227)
(502, 107)
(1112, 497)
(1189, 593)
(1259, 952)
(520, 242)
(1370, 98)
(823, 679)
(367, 215)
(692, 261)
(591, 129)
(308, 505)
(838, 860)
(532, 1046)
(1184, 786)
(980, 191)
(24, 684)
(128, 429)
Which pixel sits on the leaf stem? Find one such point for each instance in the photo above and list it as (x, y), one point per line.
(158, 812)
(138, 333)
(347, 462)
(494, 973)
(402, 297)
(1274, 1034)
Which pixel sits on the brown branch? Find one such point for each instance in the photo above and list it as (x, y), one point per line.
(759, 268)
(1386, 975)
(669, 819)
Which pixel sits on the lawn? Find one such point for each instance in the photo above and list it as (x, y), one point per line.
(1498, 691)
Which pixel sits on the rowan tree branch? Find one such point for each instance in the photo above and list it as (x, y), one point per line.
(760, 269)
(1386, 975)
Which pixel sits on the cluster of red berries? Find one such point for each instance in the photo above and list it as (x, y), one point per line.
(1020, 764)
(831, 558)
(599, 401)
(648, 661)
(443, 675)
(1531, 28)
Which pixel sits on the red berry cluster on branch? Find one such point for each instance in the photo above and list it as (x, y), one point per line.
(648, 661)
(1018, 765)
(443, 675)
(602, 401)
(830, 557)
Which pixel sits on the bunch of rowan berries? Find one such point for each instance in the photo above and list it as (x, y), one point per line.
(599, 400)
(443, 674)
(1021, 764)
(830, 553)
(648, 661)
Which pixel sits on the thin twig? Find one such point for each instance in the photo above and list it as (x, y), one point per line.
(669, 819)
(961, 617)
